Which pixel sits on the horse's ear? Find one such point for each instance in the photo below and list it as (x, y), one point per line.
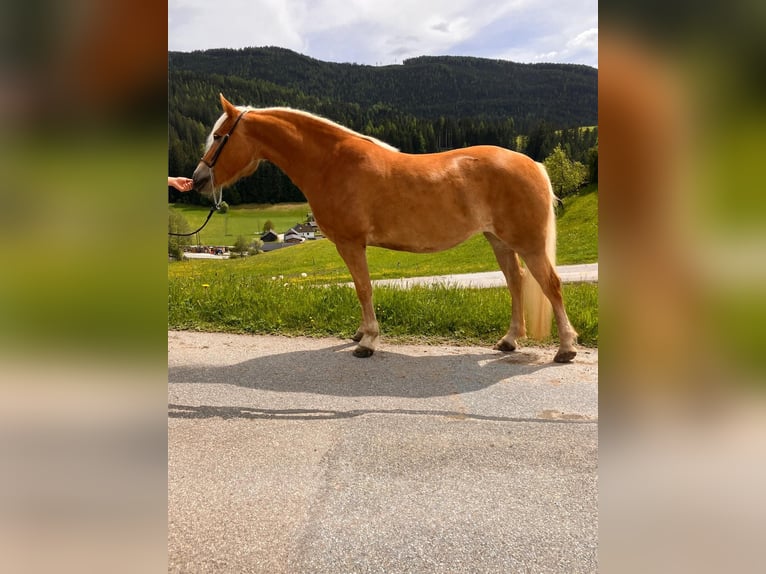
(228, 107)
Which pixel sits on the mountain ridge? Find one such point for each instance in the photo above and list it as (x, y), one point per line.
(426, 104)
(428, 87)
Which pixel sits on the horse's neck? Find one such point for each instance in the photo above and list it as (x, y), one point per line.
(295, 145)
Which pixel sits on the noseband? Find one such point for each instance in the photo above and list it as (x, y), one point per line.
(210, 164)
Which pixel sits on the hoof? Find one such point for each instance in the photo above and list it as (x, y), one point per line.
(504, 346)
(363, 352)
(564, 356)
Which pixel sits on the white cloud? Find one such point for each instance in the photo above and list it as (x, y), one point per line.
(387, 31)
(201, 24)
(588, 39)
(584, 46)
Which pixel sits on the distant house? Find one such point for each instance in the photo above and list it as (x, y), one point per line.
(269, 236)
(293, 236)
(307, 230)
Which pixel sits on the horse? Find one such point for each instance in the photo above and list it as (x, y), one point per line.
(364, 192)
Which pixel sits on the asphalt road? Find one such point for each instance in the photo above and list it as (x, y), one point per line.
(290, 455)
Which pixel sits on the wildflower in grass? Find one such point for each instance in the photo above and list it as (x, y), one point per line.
(205, 285)
(304, 275)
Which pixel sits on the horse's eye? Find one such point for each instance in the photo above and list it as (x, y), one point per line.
(216, 137)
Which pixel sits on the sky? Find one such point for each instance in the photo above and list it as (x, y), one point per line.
(385, 32)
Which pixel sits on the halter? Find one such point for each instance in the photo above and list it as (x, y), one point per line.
(210, 164)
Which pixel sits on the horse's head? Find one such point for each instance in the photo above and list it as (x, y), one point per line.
(228, 154)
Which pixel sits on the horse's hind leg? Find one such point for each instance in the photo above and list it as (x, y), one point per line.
(511, 268)
(368, 333)
(543, 271)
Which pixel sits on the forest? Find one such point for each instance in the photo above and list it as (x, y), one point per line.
(424, 105)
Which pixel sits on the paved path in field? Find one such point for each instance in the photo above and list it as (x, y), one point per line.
(289, 455)
(587, 272)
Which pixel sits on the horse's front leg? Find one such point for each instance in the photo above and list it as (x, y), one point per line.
(368, 333)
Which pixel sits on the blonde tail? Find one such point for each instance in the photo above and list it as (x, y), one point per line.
(537, 305)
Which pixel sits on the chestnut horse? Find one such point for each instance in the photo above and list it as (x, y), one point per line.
(364, 192)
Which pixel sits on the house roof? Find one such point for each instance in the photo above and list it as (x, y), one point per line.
(292, 235)
(270, 235)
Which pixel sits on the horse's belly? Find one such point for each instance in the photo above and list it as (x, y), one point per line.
(419, 243)
(413, 248)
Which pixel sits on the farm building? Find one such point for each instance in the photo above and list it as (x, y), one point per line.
(269, 236)
(292, 236)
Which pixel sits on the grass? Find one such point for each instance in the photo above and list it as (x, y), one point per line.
(577, 227)
(435, 314)
(577, 243)
(321, 262)
(268, 293)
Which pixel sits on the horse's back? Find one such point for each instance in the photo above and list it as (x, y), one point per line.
(431, 202)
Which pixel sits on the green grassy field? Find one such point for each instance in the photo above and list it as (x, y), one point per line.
(577, 228)
(289, 291)
(245, 220)
(435, 314)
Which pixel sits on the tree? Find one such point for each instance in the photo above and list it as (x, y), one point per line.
(539, 141)
(241, 246)
(593, 164)
(268, 226)
(177, 224)
(566, 175)
(256, 247)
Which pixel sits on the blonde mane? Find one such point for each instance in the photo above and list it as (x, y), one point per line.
(371, 139)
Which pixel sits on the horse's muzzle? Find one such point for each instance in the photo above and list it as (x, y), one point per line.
(203, 182)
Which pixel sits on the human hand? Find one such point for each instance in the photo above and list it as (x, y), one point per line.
(181, 183)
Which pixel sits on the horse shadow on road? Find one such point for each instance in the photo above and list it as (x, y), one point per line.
(334, 371)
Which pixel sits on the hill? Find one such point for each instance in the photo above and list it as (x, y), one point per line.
(564, 95)
(426, 104)
(577, 231)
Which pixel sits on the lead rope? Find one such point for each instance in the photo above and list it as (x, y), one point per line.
(216, 191)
